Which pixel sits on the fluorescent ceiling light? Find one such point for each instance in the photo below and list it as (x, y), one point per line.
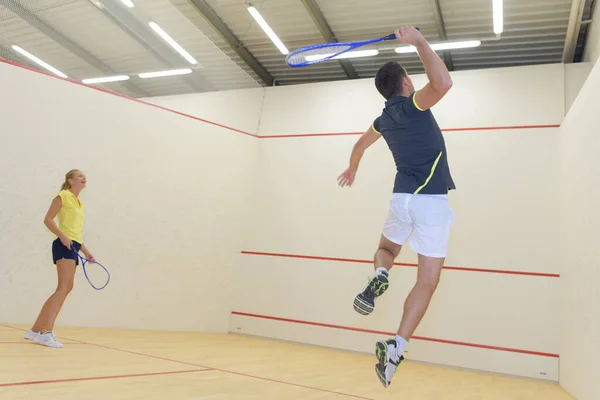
(38, 61)
(128, 3)
(498, 10)
(348, 54)
(441, 46)
(98, 4)
(117, 78)
(172, 42)
(265, 27)
(172, 72)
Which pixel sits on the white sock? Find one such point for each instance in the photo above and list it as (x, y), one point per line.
(380, 270)
(400, 344)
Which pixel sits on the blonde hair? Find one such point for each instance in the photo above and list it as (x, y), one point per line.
(69, 175)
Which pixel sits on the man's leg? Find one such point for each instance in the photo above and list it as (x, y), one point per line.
(420, 296)
(433, 220)
(397, 229)
(386, 254)
(364, 302)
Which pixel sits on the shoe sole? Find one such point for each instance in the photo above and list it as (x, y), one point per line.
(378, 286)
(362, 305)
(48, 345)
(381, 375)
(381, 354)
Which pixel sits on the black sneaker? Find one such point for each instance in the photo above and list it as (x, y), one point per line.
(364, 302)
(389, 359)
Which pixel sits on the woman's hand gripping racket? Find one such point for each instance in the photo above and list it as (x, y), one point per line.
(326, 51)
(84, 261)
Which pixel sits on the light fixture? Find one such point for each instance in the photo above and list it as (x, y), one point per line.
(38, 61)
(128, 3)
(105, 79)
(97, 3)
(441, 46)
(348, 54)
(172, 42)
(267, 29)
(498, 10)
(158, 74)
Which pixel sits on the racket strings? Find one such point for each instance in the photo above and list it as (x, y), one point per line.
(313, 55)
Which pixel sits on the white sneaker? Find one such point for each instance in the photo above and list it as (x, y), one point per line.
(389, 360)
(31, 335)
(48, 339)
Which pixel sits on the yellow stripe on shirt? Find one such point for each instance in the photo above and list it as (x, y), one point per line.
(430, 174)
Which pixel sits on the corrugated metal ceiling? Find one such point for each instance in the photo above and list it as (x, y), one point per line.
(115, 39)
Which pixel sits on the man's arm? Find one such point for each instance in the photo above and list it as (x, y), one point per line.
(362, 144)
(439, 78)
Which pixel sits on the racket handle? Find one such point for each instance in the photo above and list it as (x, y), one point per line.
(392, 36)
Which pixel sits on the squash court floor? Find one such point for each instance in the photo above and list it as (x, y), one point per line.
(100, 364)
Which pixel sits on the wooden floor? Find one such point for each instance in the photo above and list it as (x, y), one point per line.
(113, 364)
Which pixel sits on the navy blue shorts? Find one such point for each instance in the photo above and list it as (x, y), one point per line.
(59, 251)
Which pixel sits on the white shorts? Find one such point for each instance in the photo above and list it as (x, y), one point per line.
(427, 218)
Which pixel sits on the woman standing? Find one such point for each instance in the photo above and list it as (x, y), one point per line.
(69, 209)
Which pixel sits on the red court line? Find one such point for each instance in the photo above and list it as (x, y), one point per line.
(125, 97)
(481, 128)
(485, 128)
(297, 385)
(94, 378)
(351, 260)
(209, 368)
(347, 328)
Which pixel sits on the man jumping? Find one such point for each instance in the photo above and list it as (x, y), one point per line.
(419, 209)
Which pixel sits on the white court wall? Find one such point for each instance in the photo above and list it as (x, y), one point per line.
(239, 109)
(575, 77)
(501, 133)
(580, 275)
(165, 205)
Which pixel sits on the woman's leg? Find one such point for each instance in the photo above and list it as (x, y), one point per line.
(66, 275)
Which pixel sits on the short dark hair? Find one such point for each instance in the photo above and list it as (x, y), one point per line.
(388, 80)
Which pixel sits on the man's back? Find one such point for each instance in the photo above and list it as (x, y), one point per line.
(417, 145)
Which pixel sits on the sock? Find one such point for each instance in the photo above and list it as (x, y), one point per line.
(400, 344)
(380, 270)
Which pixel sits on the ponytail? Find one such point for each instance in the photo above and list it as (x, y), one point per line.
(66, 185)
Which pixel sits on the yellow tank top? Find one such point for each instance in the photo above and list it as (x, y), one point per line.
(70, 216)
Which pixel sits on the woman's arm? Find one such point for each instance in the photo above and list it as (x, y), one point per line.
(51, 225)
(87, 253)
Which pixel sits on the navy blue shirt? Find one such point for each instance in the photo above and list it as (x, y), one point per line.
(417, 145)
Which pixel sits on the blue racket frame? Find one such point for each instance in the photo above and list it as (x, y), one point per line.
(351, 46)
(85, 261)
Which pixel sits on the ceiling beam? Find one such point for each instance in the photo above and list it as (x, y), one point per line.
(317, 16)
(217, 23)
(67, 43)
(441, 29)
(573, 29)
(143, 34)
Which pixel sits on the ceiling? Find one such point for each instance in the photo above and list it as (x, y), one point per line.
(96, 38)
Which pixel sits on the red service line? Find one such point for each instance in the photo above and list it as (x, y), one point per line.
(351, 260)
(422, 338)
(480, 128)
(485, 128)
(125, 97)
